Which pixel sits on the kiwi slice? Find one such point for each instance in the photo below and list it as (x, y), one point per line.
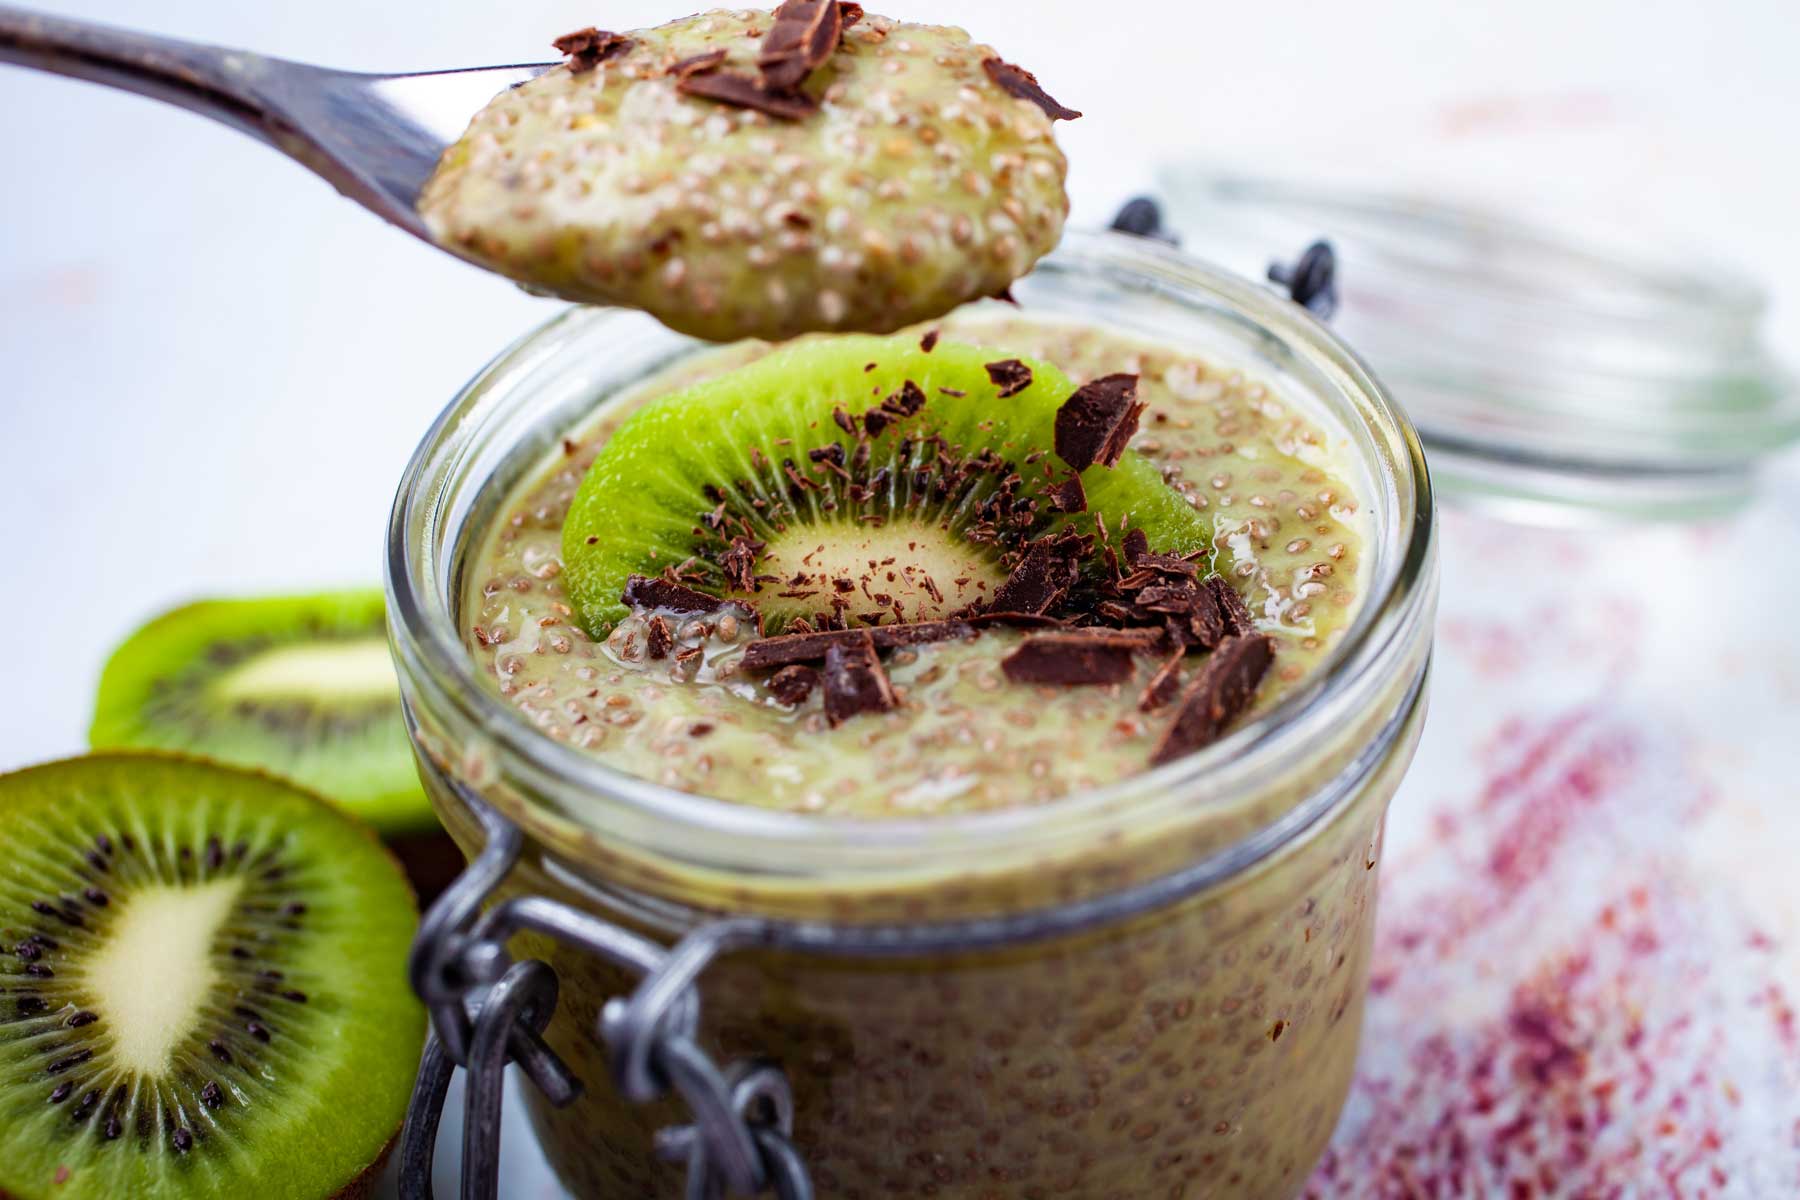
(202, 986)
(851, 480)
(301, 686)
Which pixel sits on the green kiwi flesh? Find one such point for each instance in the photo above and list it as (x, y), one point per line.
(202, 986)
(762, 457)
(301, 686)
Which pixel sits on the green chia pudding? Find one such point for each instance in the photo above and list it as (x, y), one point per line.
(1285, 535)
(898, 171)
(1202, 1049)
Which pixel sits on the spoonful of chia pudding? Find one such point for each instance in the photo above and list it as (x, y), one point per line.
(736, 174)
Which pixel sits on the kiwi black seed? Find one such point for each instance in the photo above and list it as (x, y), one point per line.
(851, 481)
(301, 686)
(229, 1021)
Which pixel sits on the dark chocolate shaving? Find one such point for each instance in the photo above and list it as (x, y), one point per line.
(1040, 581)
(1072, 658)
(1094, 425)
(1235, 617)
(1015, 620)
(787, 648)
(919, 633)
(854, 680)
(588, 48)
(1069, 496)
(1017, 81)
(929, 342)
(739, 563)
(1203, 625)
(1169, 566)
(906, 401)
(1163, 685)
(694, 64)
(641, 591)
(793, 684)
(660, 639)
(1223, 690)
(850, 11)
(728, 87)
(1137, 544)
(1009, 375)
(803, 36)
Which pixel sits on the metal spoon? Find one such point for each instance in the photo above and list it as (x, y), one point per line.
(375, 138)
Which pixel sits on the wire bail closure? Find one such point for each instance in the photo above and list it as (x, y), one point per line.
(487, 1010)
(1311, 281)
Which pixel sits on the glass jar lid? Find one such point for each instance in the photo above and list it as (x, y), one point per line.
(1548, 377)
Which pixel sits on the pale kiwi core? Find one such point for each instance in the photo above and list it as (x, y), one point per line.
(355, 670)
(155, 970)
(1287, 534)
(920, 573)
(919, 184)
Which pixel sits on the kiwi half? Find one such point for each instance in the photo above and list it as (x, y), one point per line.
(301, 686)
(849, 480)
(202, 986)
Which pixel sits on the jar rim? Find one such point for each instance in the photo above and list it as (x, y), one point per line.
(746, 839)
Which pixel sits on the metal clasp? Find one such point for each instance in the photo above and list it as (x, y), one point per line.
(487, 1010)
(1311, 281)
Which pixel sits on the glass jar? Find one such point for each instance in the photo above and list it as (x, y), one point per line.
(1554, 378)
(1151, 988)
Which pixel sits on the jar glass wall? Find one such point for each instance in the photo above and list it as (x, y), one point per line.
(1209, 1033)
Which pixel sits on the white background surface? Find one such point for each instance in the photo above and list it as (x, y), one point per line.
(215, 369)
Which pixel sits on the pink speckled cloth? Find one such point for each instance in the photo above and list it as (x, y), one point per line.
(1584, 977)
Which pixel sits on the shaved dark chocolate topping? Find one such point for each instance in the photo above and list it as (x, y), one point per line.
(1074, 657)
(929, 342)
(1009, 375)
(793, 683)
(588, 48)
(855, 682)
(906, 401)
(803, 36)
(728, 87)
(1019, 82)
(1234, 616)
(1040, 581)
(659, 638)
(1095, 424)
(1015, 620)
(1164, 685)
(789, 648)
(695, 63)
(1069, 496)
(642, 591)
(739, 562)
(1224, 689)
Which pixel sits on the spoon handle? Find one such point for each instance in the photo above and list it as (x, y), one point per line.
(226, 85)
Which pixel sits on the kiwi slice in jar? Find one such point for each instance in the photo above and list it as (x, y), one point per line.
(851, 480)
(301, 686)
(202, 986)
